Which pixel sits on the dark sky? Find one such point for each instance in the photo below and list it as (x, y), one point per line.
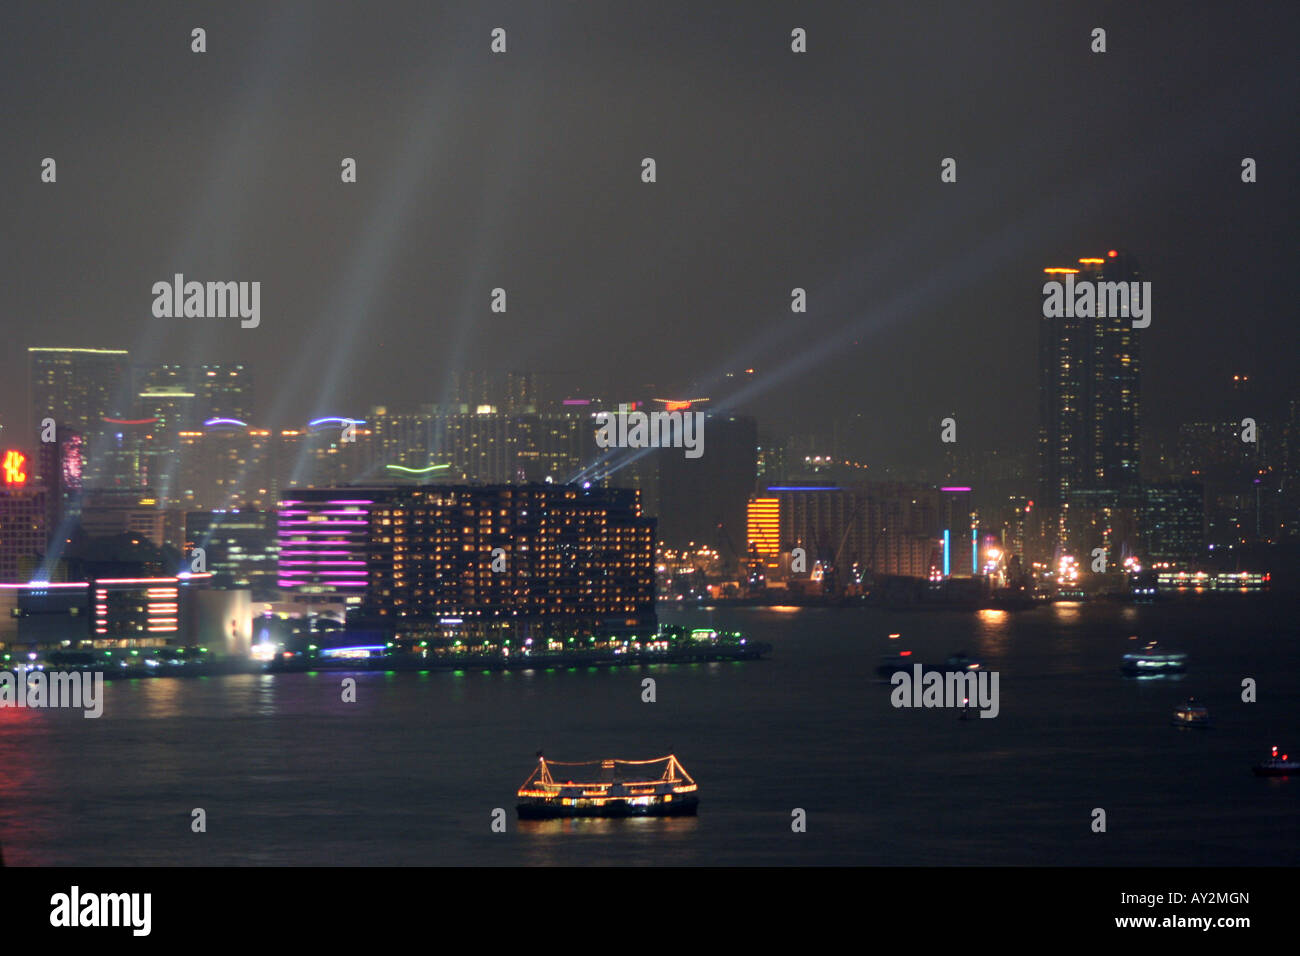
(775, 170)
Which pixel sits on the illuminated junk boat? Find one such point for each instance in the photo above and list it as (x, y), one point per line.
(608, 788)
(1276, 766)
(1151, 662)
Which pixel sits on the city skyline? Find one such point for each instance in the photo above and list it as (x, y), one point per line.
(889, 411)
(923, 308)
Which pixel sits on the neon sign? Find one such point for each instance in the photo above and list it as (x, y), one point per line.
(13, 468)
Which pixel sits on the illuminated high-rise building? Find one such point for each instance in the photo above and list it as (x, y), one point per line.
(883, 528)
(557, 561)
(22, 518)
(323, 536)
(61, 469)
(240, 548)
(213, 391)
(1089, 402)
(77, 387)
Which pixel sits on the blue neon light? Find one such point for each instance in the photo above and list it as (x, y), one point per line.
(340, 421)
(802, 488)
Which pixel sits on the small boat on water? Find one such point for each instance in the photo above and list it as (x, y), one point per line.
(960, 662)
(608, 788)
(1153, 662)
(967, 710)
(890, 664)
(1276, 766)
(1190, 713)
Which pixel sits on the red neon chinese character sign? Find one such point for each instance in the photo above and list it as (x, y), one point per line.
(13, 468)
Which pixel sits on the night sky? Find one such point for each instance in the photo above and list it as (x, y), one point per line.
(775, 170)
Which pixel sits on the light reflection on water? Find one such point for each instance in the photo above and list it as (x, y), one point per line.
(994, 630)
(411, 772)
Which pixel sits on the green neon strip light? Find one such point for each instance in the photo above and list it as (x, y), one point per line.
(417, 471)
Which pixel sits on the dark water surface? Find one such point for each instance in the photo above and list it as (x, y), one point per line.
(410, 773)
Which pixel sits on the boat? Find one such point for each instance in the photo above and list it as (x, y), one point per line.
(1152, 662)
(608, 788)
(890, 664)
(960, 662)
(1276, 766)
(1190, 713)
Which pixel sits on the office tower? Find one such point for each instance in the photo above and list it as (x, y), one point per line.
(61, 471)
(770, 456)
(1289, 477)
(77, 387)
(240, 548)
(491, 447)
(223, 391)
(323, 536)
(880, 528)
(472, 389)
(521, 393)
(127, 454)
(404, 441)
(213, 391)
(959, 530)
(1213, 454)
(505, 561)
(106, 514)
(552, 446)
(227, 466)
(136, 612)
(22, 518)
(1173, 521)
(1089, 404)
(702, 501)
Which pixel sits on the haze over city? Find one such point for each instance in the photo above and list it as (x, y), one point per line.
(617, 434)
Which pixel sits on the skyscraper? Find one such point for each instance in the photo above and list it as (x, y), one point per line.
(1089, 400)
(506, 560)
(221, 391)
(77, 387)
(22, 518)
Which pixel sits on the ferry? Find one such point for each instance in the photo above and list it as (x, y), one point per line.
(1151, 662)
(1191, 714)
(1276, 766)
(608, 788)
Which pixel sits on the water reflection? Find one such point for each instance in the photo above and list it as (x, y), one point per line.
(264, 696)
(992, 630)
(550, 842)
(27, 788)
(160, 696)
(1067, 610)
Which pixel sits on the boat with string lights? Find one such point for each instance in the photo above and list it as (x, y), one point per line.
(608, 788)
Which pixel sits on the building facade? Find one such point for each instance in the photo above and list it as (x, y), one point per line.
(535, 560)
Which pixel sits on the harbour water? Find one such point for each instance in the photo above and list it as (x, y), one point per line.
(409, 774)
